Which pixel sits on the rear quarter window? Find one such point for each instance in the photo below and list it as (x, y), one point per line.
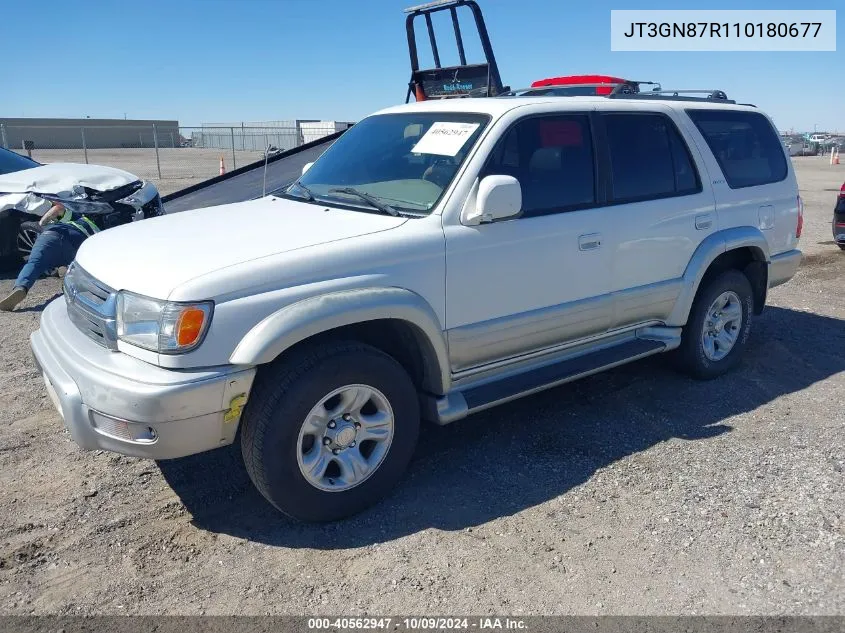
(745, 145)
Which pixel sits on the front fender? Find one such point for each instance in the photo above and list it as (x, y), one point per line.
(710, 248)
(315, 315)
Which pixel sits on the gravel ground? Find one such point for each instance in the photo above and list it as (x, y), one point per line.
(632, 492)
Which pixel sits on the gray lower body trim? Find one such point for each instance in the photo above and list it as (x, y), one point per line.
(505, 337)
(783, 267)
(653, 302)
(525, 376)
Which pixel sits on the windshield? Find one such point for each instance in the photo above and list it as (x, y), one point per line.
(401, 162)
(11, 162)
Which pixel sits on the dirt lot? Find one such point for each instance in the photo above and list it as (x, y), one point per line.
(635, 491)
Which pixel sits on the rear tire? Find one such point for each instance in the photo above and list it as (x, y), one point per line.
(841, 246)
(329, 432)
(716, 333)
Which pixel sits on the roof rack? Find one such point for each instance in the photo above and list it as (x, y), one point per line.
(556, 87)
(627, 91)
(673, 95)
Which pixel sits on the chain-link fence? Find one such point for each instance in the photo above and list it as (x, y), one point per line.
(172, 157)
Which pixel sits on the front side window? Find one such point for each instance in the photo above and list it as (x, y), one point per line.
(648, 158)
(400, 161)
(552, 158)
(745, 145)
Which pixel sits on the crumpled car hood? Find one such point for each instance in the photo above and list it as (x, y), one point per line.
(19, 189)
(59, 178)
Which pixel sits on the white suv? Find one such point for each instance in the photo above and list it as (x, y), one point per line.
(438, 259)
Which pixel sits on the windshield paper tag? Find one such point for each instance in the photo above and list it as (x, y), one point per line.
(445, 138)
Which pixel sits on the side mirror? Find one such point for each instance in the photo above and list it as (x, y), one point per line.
(498, 198)
(306, 167)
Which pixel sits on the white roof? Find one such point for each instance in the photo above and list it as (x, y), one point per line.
(497, 106)
(494, 106)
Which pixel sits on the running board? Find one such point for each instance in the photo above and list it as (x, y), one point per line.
(459, 404)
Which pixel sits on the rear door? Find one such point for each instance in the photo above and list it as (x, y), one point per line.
(658, 207)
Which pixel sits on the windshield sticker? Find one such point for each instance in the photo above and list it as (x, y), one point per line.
(445, 138)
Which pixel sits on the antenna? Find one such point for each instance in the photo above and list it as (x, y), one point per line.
(268, 151)
(266, 156)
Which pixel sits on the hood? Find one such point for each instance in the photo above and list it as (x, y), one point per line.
(58, 178)
(156, 256)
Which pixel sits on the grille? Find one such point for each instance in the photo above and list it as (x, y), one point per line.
(91, 306)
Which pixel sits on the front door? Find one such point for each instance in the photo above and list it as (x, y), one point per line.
(525, 284)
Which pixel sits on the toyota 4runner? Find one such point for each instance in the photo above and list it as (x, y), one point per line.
(438, 259)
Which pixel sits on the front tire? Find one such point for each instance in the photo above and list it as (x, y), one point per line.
(716, 333)
(28, 232)
(330, 431)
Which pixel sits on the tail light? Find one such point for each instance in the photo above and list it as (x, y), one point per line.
(800, 226)
(842, 191)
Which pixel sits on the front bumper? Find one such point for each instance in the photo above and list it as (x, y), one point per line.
(114, 402)
(783, 267)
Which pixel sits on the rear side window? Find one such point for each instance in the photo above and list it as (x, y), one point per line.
(745, 145)
(648, 158)
(552, 158)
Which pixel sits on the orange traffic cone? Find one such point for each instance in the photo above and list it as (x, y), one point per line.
(222, 166)
(836, 158)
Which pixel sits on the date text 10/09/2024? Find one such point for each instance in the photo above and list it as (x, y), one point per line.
(723, 29)
(417, 624)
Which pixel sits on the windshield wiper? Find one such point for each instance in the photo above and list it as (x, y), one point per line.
(372, 200)
(308, 194)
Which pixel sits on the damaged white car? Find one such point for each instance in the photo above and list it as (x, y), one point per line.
(28, 189)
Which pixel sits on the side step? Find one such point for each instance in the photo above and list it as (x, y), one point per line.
(459, 404)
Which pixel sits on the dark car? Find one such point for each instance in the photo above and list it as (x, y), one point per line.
(27, 189)
(839, 219)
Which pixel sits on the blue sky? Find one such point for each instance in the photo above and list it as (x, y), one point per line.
(252, 60)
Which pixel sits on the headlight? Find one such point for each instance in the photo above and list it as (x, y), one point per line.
(79, 206)
(141, 196)
(166, 327)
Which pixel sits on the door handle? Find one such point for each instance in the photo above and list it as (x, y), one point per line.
(589, 242)
(703, 221)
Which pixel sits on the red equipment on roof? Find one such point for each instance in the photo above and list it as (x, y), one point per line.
(604, 84)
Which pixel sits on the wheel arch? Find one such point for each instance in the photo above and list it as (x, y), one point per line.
(741, 248)
(395, 320)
